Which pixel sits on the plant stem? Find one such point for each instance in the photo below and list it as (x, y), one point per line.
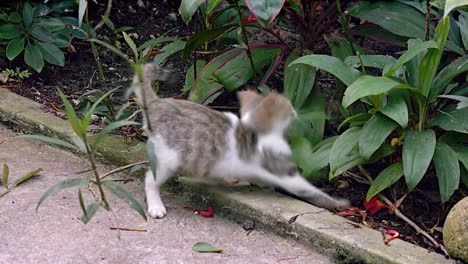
(345, 24)
(105, 16)
(428, 21)
(123, 168)
(246, 42)
(92, 160)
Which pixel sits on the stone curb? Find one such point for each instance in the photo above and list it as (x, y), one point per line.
(332, 235)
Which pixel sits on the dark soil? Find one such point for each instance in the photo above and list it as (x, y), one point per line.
(79, 76)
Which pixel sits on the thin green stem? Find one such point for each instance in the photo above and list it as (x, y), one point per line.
(246, 42)
(92, 160)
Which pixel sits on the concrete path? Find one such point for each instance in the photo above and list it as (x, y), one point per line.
(56, 235)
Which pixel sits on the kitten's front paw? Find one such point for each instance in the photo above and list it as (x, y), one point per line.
(157, 211)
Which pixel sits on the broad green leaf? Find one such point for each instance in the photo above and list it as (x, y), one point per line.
(120, 192)
(132, 45)
(212, 4)
(464, 176)
(237, 71)
(15, 17)
(384, 151)
(75, 123)
(5, 174)
(462, 154)
(111, 48)
(462, 100)
(298, 83)
(188, 8)
(152, 158)
(310, 162)
(452, 4)
(14, 48)
(198, 39)
(463, 26)
(52, 24)
(190, 78)
(265, 11)
(367, 85)
(374, 61)
(41, 34)
(26, 177)
(27, 15)
(397, 110)
(169, 50)
(448, 170)
(418, 149)
(50, 140)
(103, 133)
(453, 138)
(385, 179)
(374, 133)
(91, 211)
(355, 120)
(344, 153)
(87, 117)
(340, 46)
(333, 65)
(205, 85)
(374, 31)
(155, 41)
(453, 121)
(33, 57)
(391, 15)
(51, 53)
(430, 63)
(446, 75)
(203, 247)
(411, 53)
(58, 187)
(313, 114)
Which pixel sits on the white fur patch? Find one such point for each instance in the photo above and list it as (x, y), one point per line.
(274, 142)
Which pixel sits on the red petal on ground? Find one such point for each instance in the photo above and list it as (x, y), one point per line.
(374, 205)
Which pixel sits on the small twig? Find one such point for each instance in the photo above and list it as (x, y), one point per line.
(128, 229)
(123, 168)
(3, 194)
(3, 140)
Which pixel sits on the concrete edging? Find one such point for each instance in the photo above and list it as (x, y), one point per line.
(328, 233)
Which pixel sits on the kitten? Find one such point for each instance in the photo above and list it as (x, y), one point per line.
(202, 142)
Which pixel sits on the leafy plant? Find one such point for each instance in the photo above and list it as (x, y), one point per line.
(21, 180)
(403, 107)
(37, 32)
(87, 145)
(17, 73)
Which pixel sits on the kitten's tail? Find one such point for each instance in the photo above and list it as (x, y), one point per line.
(151, 72)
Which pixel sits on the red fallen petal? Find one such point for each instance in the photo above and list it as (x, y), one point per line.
(374, 205)
(394, 234)
(249, 19)
(209, 213)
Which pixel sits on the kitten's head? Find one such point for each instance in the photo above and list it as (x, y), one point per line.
(265, 113)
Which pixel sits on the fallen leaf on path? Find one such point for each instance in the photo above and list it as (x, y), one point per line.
(203, 247)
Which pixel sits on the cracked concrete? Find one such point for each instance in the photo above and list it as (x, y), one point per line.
(56, 235)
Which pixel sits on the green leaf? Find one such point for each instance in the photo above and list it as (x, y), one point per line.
(397, 110)
(374, 133)
(367, 85)
(14, 48)
(40, 10)
(200, 38)
(103, 133)
(188, 8)
(391, 15)
(430, 63)
(58, 187)
(355, 120)
(333, 65)
(15, 17)
(75, 123)
(463, 26)
(120, 192)
(41, 34)
(446, 75)
(462, 154)
(91, 211)
(452, 4)
(212, 4)
(52, 24)
(452, 121)
(153, 42)
(265, 11)
(132, 45)
(33, 57)
(82, 204)
(51, 53)
(299, 81)
(26, 177)
(309, 161)
(344, 153)
(462, 100)
(385, 179)
(464, 176)
(190, 78)
(5, 174)
(448, 170)
(152, 158)
(203, 247)
(87, 117)
(50, 140)
(418, 149)
(169, 50)
(27, 15)
(411, 53)
(237, 71)
(111, 48)
(374, 61)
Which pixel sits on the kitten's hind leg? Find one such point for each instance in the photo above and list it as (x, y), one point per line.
(156, 208)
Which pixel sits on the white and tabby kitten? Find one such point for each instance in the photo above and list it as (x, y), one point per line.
(206, 143)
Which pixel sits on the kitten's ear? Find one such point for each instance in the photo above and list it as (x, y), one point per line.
(246, 98)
